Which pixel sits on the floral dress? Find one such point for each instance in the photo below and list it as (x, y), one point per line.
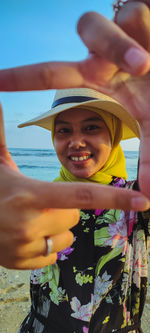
(99, 284)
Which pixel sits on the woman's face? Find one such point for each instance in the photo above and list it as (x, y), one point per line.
(82, 141)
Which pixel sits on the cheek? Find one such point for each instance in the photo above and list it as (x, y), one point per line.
(103, 142)
(103, 156)
(107, 153)
(108, 140)
(104, 149)
(58, 146)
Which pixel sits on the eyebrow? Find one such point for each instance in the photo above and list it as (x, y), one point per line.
(59, 122)
(62, 122)
(93, 119)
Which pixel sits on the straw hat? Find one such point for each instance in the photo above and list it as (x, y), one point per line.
(74, 98)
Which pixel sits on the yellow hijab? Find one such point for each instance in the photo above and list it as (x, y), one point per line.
(115, 165)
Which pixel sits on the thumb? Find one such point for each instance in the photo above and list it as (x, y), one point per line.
(2, 131)
(5, 157)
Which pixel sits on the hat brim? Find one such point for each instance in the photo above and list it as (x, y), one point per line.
(130, 127)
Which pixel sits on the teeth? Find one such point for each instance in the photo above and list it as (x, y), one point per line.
(82, 158)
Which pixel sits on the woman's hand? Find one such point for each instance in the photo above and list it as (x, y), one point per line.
(26, 219)
(120, 67)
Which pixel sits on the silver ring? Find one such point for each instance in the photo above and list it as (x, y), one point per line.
(49, 245)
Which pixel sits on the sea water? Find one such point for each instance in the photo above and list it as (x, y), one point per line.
(43, 164)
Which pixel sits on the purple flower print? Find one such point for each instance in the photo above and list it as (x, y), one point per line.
(81, 312)
(85, 329)
(132, 221)
(62, 255)
(118, 234)
(98, 211)
(119, 182)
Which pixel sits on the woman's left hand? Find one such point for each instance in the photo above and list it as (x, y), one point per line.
(110, 72)
(118, 65)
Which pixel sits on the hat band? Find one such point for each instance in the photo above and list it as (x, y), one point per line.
(72, 99)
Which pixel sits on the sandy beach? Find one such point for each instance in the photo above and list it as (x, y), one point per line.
(15, 300)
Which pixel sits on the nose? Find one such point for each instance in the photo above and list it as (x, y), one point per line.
(77, 142)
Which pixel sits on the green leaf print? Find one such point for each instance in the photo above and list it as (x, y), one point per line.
(84, 216)
(112, 216)
(104, 259)
(46, 276)
(58, 296)
(100, 236)
(106, 320)
(50, 275)
(86, 230)
(83, 279)
(56, 272)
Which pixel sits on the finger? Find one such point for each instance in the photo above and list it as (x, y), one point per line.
(88, 196)
(62, 241)
(108, 41)
(144, 165)
(30, 263)
(2, 130)
(147, 2)
(16, 256)
(39, 246)
(36, 212)
(32, 218)
(54, 221)
(134, 19)
(52, 75)
(5, 157)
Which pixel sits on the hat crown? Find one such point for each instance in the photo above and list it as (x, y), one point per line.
(66, 99)
(86, 92)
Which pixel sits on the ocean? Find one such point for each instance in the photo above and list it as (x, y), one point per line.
(43, 164)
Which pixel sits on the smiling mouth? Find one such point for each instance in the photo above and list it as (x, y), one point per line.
(80, 158)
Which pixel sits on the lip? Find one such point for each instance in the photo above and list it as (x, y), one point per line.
(78, 155)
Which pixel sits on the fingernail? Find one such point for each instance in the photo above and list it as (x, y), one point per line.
(140, 203)
(135, 57)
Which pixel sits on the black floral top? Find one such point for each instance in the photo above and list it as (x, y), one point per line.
(98, 285)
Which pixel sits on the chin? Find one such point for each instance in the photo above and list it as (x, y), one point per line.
(82, 174)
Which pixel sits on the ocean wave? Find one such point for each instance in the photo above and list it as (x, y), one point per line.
(39, 154)
(131, 155)
(24, 166)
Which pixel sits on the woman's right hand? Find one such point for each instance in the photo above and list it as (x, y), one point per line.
(26, 218)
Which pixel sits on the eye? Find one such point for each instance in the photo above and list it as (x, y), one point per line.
(63, 130)
(92, 127)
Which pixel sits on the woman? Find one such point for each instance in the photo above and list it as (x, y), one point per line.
(99, 283)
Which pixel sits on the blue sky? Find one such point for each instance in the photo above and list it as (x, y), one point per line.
(38, 31)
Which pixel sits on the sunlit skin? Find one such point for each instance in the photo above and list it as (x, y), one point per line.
(82, 141)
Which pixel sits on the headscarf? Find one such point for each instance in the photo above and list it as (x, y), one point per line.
(114, 166)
